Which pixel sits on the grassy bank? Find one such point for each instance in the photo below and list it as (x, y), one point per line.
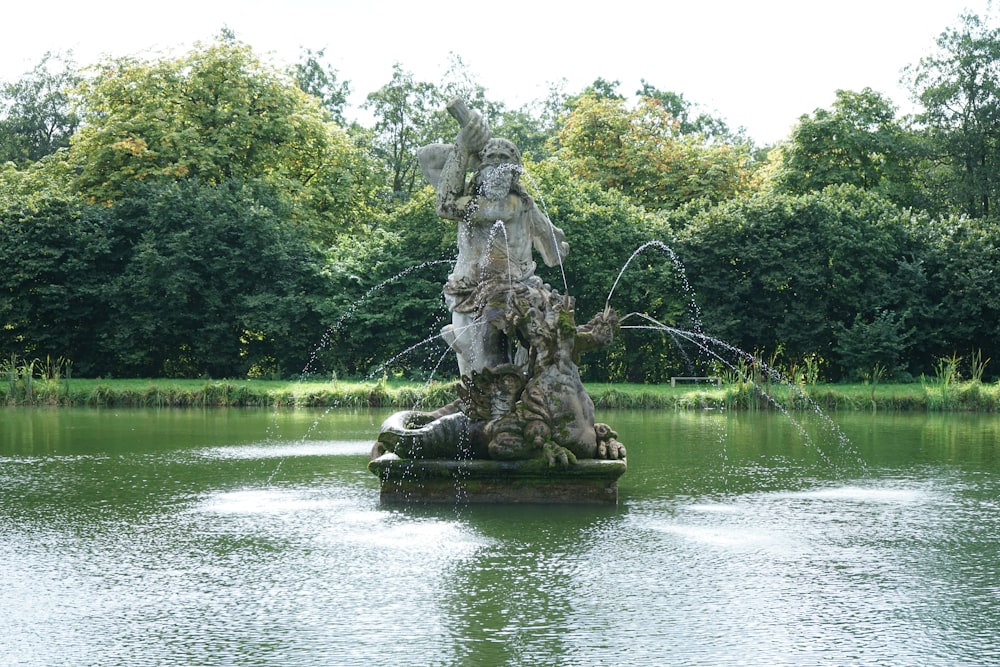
(925, 396)
(224, 393)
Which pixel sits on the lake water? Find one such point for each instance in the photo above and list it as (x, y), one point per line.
(252, 537)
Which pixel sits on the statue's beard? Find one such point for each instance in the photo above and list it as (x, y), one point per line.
(496, 181)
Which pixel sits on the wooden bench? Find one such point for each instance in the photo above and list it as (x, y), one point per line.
(717, 381)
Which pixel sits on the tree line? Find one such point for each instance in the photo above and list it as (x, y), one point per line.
(213, 215)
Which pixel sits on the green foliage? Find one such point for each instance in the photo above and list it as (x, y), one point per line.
(930, 396)
(321, 81)
(977, 366)
(959, 88)
(601, 89)
(57, 255)
(533, 127)
(214, 283)
(217, 115)
(34, 381)
(691, 119)
(37, 115)
(216, 180)
(642, 152)
(604, 229)
(530, 133)
(390, 308)
(875, 348)
(959, 259)
(408, 114)
(776, 270)
(177, 279)
(858, 142)
(211, 216)
(946, 370)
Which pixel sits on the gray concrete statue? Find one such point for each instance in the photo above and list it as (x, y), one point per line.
(515, 338)
(499, 224)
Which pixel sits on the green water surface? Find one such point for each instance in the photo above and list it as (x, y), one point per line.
(253, 537)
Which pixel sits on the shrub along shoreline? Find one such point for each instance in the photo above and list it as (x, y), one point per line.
(928, 396)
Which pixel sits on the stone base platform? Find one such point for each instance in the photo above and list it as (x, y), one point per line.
(415, 481)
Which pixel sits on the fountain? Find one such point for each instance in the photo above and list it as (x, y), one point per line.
(522, 426)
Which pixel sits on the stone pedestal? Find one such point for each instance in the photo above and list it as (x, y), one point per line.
(590, 481)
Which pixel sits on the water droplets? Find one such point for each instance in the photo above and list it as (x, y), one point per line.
(681, 273)
(733, 358)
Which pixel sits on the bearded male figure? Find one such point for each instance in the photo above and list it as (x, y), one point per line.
(499, 225)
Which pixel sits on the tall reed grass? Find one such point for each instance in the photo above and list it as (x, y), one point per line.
(33, 383)
(23, 384)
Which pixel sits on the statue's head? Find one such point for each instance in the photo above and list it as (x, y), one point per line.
(499, 168)
(499, 151)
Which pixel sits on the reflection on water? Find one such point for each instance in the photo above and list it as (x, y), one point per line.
(226, 537)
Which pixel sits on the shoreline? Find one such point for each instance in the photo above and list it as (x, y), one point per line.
(925, 396)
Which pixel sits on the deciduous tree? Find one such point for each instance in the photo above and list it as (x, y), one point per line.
(323, 82)
(959, 88)
(407, 116)
(37, 114)
(779, 271)
(216, 114)
(691, 118)
(641, 151)
(860, 142)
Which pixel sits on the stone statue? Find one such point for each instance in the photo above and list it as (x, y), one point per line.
(515, 338)
(499, 224)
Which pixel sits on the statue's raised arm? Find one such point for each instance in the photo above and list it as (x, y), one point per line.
(432, 158)
(452, 199)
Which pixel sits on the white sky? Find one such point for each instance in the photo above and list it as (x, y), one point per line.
(758, 64)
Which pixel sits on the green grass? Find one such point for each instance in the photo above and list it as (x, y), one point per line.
(926, 396)
(225, 393)
(930, 396)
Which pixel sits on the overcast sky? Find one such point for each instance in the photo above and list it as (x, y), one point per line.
(759, 64)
